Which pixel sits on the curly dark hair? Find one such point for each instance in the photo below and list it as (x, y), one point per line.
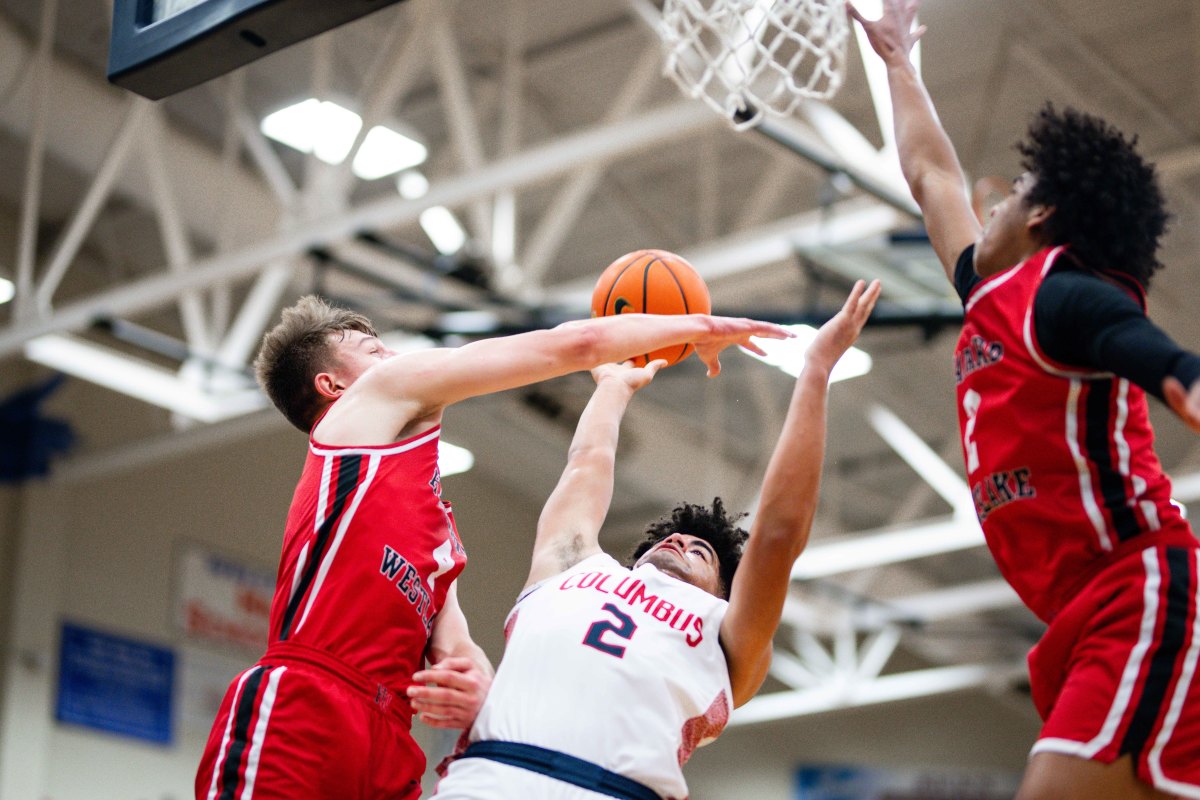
(1107, 203)
(715, 526)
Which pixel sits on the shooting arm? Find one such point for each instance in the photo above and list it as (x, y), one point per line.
(787, 505)
(569, 527)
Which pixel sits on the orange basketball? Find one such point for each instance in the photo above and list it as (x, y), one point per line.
(651, 282)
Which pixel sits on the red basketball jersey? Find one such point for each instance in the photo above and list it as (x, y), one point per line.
(368, 556)
(1060, 461)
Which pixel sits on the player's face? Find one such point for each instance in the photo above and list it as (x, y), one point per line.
(1008, 235)
(688, 558)
(354, 352)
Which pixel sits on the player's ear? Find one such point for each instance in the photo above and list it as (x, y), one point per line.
(327, 385)
(1038, 215)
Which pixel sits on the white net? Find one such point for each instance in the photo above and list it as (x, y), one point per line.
(744, 57)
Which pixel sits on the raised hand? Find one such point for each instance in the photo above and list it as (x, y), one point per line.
(892, 35)
(450, 693)
(633, 377)
(1184, 402)
(836, 335)
(726, 331)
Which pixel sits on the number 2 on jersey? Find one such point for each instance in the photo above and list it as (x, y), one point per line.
(623, 630)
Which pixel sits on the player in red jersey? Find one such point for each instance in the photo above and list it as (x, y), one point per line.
(1053, 364)
(365, 592)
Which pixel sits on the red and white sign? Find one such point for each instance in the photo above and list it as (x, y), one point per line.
(222, 601)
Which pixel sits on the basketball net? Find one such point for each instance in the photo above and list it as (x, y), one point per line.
(746, 57)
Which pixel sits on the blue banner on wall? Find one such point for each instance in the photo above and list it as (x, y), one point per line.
(115, 684)
(856, 782)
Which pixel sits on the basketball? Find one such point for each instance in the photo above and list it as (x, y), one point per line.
(651, 282)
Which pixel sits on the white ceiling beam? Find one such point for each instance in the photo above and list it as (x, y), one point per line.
(140, 379)
(396, 66)
(939, 604)
(563, 211)
(889, 546)
(256, 312)
(943, 479)
(846, 222)
(886, 689)
(78, 94)
(172, 230)
(42, 70)
(394, 270)
(602, 143)
(503, 246)
(72, 237)
(269, 165)
(460, 114)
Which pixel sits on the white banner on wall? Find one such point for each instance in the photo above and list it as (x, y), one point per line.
(221, 601)
(854, 782)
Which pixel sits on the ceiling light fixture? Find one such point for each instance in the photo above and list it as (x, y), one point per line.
(788, 355)
(327, 130)
(8, 290)
(443, 229)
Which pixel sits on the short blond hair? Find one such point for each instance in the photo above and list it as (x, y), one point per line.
(295, 350)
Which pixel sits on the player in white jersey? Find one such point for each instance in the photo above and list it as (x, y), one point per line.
(612, 676)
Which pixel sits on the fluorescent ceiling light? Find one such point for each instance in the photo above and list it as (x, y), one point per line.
(139, 379)
(453, 459)
(788, 355)
(412, 184)
(328, 130)
(384, 152)
(443, 229)
(7, 290)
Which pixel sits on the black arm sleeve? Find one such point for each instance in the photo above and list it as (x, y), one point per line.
(965, 278)
(1084, 321)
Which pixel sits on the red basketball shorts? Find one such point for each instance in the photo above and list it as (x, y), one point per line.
(1116, 672)
(292, 728)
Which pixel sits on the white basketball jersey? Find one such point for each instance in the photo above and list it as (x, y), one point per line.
(620, 667)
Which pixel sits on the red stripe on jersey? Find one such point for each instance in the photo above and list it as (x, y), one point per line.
(1060, 460)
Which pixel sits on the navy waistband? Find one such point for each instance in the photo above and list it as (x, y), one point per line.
(561, 766)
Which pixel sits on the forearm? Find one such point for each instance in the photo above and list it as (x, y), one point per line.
(618, 338)
(793, 478)
(921, 141)
(599, 426)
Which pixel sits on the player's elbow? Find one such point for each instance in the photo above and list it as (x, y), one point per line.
(579, 343)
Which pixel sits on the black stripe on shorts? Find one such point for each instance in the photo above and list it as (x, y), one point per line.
(1151, 704)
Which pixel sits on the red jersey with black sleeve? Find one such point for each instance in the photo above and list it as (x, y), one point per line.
(369, 553)
(1060, 458)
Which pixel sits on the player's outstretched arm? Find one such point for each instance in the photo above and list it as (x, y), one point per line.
(451, 691)
(787, 503)
(927, 157)
(569, 528)
(424, 382)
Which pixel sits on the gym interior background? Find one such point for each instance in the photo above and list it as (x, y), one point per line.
(149, 243)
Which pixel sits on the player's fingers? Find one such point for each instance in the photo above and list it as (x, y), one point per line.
(753, 347)
(453, 679)
(1177, 398)
(654, 366)
(866, 303)
(769, 330)
(459, 663)
(855, 295)
(854, 13)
